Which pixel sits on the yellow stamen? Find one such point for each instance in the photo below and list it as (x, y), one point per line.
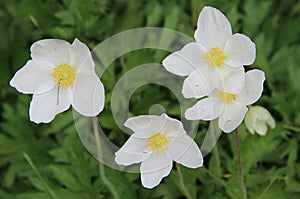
(157, 143)
(225, 97)
(214, 57)
(64, 76)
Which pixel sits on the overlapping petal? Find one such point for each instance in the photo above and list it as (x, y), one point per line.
(133, 151)
(44, 107)
(186, 152)
(261, 127)
(185, 61)
(239, 50)
(145, 125)
(253, 87)
(84, 63)
(172, 127)
(250, 121)
(127, 158)
(205, 109)
(199, 83)
(232, 116)
(88, 95)
(231, 80)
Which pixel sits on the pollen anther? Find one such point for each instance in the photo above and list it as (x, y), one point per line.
(225, 97)
(214, 57)
(64, 76)
(157, 143)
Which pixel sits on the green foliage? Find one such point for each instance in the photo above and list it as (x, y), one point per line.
(58, 165)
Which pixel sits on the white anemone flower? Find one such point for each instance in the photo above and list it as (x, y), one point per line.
(60, 74)
(156, 142)
(229, 108)
(257, 119)
(215, 60)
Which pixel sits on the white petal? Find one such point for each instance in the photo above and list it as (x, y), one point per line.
(205, 109)
(239, 50)
(259, 112)
(185, 61)
(232, 80)
(135, 145)
(88, 95)
(253, 87)
(34, 78)
(81, 58)
(55, 51)
(145, 125)
(186, 152)
(232, 116)
(213, 28)
(172, 127)
(271, 122)
(154, 169)
(133, 151)
(44, 107)
(199, 83)
(126, 158)
(250, 121)
(261, 127)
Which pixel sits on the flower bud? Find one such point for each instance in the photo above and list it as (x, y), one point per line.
(257, 119)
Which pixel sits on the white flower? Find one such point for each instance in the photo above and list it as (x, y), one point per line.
(156, 142)
(257, 119)
(229, 108)
(60, 74)
(215, 60)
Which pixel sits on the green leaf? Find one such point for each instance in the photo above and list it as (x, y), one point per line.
(65, 177)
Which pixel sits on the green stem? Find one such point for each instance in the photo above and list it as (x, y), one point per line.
(240, 164)
(37, 172)
(268, 187)
(103, 177)
(181, 181)
(218, 162)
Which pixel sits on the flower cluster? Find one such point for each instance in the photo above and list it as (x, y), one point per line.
(61, 74)
(214, 66)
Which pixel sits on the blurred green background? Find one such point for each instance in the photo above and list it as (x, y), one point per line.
(58, 165)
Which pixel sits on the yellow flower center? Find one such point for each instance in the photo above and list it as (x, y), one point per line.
(64, 76)
(225, 97)
(214, 57)
(157, 143)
